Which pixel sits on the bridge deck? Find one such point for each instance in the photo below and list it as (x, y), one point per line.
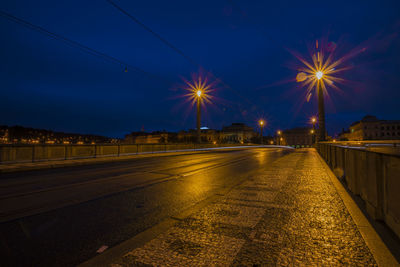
(291, 213)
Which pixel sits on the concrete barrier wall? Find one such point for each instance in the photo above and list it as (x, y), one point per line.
(32, 153)
(375, 177)
(391, 193)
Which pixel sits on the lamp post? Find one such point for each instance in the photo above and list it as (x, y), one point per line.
(313, 121)
(198, 94)
(320, 73)
(321, 107)
(261, 122)
(312, 136)
(279, 139)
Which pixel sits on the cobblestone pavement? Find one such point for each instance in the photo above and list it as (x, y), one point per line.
(289, 215)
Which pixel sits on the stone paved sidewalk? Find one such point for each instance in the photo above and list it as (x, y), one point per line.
(290, 215)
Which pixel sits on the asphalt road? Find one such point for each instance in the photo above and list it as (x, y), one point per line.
(61, 217)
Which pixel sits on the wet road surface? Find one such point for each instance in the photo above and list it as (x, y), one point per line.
(61, 217)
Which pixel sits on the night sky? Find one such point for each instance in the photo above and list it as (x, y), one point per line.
(46, 83)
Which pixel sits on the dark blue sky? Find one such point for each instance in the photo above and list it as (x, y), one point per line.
(46, 83)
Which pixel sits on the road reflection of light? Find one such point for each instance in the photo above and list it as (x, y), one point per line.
(198, 185)
(263, 156)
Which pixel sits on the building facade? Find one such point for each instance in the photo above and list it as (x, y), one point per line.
(150, 138)
(371, 128)
(206, 136)
(298, 137)
(4, 137)
(237, 133)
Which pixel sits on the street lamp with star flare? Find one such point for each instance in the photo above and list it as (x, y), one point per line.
(198, 92)
(319, 74)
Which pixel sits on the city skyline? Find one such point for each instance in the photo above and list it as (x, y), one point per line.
(50, 84)
(200, 133)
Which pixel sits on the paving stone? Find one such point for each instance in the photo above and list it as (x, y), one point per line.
(230, 230)
(230, 214)
(183, 247)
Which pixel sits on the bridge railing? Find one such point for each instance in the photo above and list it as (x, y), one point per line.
(374, 176)
(12, 153)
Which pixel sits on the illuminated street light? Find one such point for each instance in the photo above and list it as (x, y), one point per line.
(318, 74)
(198, 116)
(313, 121)
(198, 92)
(278, 139)
(261, 123)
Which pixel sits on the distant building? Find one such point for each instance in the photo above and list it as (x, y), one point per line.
(150, 138)
(23, 135)
(207, 136)
(237, 133)
(4, 138)
(371, 128)
(297, 137)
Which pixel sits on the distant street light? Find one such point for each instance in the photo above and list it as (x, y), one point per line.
(261, 123)
(313, 121)
(279, 139)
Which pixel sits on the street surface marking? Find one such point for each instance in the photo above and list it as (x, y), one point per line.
(102, 249)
